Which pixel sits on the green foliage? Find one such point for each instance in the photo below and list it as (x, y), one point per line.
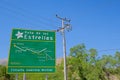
(82, 64)
(4, 75)
(87, 66)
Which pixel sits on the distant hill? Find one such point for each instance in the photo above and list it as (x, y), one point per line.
(3, 61)
(58, 61)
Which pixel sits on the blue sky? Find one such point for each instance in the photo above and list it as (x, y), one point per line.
(96, 23)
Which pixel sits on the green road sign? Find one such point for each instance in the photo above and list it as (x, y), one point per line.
(32, 51)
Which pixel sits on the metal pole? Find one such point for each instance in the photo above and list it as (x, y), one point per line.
(24, 76)
(16, 77)
(64, 51)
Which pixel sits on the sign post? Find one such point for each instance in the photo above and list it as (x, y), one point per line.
(46, 77)
(24, 76)
(16, 77)
(32, 51)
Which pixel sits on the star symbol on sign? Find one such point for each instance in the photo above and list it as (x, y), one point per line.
(19, 35)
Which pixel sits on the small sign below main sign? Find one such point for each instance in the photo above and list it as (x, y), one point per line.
(32, 51)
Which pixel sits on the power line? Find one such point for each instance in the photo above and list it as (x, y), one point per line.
(105, 50)
(23, 10)
(31, 24)
(28, 15)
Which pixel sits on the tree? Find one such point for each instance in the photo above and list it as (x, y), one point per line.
(85, 63)
(79, 61)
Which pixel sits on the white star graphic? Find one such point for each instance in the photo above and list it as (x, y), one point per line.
(19, 35)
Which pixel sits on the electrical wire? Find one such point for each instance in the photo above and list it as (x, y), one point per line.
(105, 50)
(28, 15)
(20, 18)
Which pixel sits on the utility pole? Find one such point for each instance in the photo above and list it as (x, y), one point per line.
(46, 77)
(16, 77)
(65, 25)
